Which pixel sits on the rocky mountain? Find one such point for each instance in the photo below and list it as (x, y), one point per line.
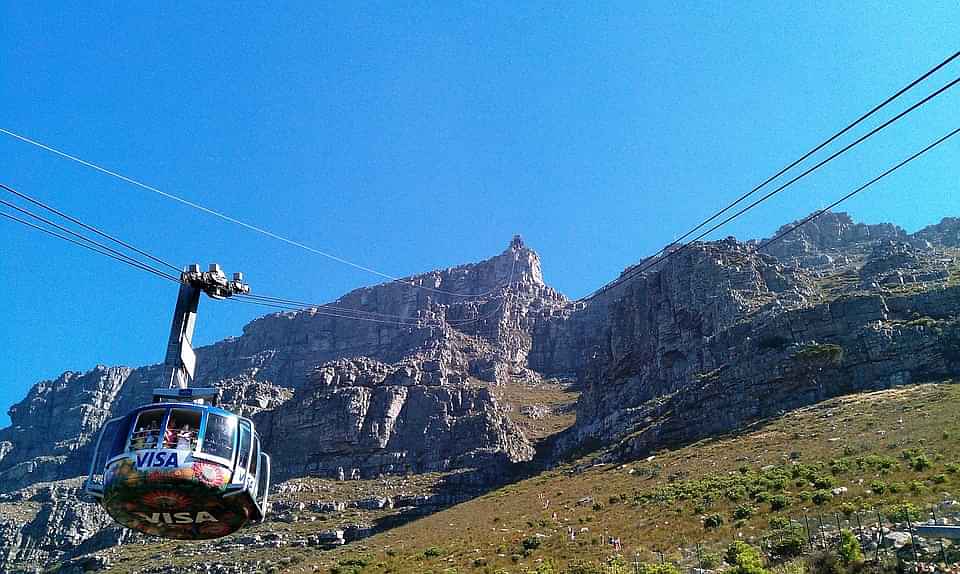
(420, 375)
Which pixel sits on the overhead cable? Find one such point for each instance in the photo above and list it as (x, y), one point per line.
(241, 223)
(114, 252)
(93, 248)
(372, 316)
(263, 300)
(653, 261)
(812, 151)
(820, 212)
(76, 221)
(398, 322)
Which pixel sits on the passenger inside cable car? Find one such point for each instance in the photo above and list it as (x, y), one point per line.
(148, 430)
(181, 431)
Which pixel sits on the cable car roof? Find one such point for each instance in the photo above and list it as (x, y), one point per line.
(193, 406)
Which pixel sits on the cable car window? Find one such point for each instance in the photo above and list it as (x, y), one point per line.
(219, 435)
(255, 459)
(104, 446)
(119, 442)
(147, 429)
(182, 428)
(264, 481)
(243, 457)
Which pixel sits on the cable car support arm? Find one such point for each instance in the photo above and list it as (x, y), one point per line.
(179, 365)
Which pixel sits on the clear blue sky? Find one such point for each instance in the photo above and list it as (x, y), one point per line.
(408, 137)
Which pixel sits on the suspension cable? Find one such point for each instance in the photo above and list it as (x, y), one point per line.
(812, 151)
(127, 261)
(653, 261)
(76, 221)
(820, 212)
(235, 221)
(115, 254)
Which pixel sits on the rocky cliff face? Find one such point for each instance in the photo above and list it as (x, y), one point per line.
(403, 377)
(46, 519)
(474, 314)
(721, 335)
(364, 417)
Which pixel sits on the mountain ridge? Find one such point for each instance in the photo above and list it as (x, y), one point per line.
(706, 341)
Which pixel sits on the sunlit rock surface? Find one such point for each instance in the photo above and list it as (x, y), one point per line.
(711, 338)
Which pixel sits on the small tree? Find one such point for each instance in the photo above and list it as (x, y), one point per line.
(744, 558)
(712, 522)
(743, 512)
(849, 552)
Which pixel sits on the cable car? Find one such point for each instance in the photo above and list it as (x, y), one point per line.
(178, 467)
(181, 470)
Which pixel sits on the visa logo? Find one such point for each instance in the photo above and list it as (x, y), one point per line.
(176, 517)
(157, 459)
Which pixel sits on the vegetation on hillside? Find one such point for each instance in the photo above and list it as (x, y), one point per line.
(893, 451)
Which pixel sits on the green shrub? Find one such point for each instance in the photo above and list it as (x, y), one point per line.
(903, 512)
(545, 567)
(711, 560)
(939, 478)
(878, 463)
(581, 567)
(839, 466)
(878, 487)
(821, 497)
(848, 508)
(712, 522)
(952, 467)
(824, 481)
(432, 552)
(849, 550)
(779, 502)
(778, 522)
(824, 562)
(789, 546)
(820, 353)
(920, 463)
(792, 567)
(531, 543)
(736, 493)
(744, 559)
(665, 568)
(349, 566)
(743, 512)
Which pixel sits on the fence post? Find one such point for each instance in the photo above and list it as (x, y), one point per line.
(839, 527)
(823, 533)
(806, 521)
(879, 537)
(860, 528)
(913, 543)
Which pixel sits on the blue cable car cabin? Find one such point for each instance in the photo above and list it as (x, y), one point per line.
(180, 470)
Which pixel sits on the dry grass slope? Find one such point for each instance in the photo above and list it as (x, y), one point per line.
(885, 448)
